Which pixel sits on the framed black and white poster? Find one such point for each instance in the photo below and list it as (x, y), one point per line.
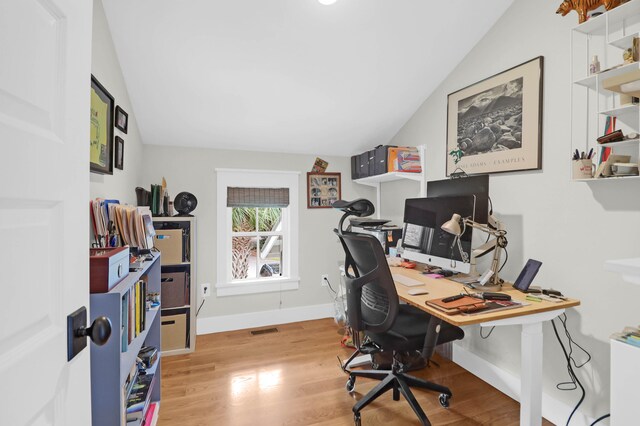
(495, 125)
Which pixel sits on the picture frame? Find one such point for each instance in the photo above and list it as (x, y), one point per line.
(101, 133)
(119, 153)
(495, 125)
(122, 120)
(323, 189)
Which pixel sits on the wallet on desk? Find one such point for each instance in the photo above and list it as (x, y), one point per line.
(463, 305)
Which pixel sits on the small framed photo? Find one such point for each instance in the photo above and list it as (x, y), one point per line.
(119, 153)
(323, 189)
(122, 120)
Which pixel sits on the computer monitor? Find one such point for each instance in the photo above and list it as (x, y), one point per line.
(423, 241)
(471, 185)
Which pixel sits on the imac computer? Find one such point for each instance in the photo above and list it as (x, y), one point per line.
(424, 241)
(471, 185)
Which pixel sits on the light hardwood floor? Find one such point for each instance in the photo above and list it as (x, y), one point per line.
(292, 378)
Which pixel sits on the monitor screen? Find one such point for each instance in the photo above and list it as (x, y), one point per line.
(472, 185)
(423, 241)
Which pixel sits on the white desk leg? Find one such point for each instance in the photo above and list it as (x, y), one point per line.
(531, 372)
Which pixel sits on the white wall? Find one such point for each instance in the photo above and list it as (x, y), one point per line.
(193, 170)
(571, 227)
(106, 68)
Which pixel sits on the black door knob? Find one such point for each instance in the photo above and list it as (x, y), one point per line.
(99, 332)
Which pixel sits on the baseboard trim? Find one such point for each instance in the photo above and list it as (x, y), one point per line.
(264, 318)
(557, 412)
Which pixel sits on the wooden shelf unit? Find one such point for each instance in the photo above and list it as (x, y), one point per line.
(189, 266)
(110, 366)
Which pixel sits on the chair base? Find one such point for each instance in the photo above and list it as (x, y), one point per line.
(400, 383)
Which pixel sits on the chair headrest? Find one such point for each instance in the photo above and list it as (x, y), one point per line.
(360, 207)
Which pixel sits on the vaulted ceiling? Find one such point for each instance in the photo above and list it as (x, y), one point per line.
(288, 75)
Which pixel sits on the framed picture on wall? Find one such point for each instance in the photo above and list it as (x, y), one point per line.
(101, 134)
(323, 189)
(119, 153)
(122, 120)
(495, 125)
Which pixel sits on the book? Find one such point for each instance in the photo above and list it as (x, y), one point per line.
(139, 397)
(152, 413)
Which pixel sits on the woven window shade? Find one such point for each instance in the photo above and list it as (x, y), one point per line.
(257, 197)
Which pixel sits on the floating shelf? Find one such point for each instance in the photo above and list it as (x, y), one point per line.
(625, 42)
(630, 110)
(621, 143)
(389, 177)
(612, 178)
(628, 268)
(589, 82)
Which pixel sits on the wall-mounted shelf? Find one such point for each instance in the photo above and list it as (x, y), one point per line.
(604, 36)
(376, 180)
(628, 268)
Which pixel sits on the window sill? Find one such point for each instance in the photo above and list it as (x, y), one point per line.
(257, 286)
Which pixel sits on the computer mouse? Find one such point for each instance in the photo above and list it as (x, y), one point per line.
(417, 291)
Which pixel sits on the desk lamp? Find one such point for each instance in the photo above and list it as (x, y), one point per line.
(500, 242)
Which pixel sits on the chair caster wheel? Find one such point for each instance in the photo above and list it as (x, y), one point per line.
(356, 419)
(351, 384)
(444, 400)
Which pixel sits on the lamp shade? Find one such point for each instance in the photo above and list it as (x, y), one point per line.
(452, 226)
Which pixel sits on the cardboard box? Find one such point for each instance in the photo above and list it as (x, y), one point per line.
(107, 266)
(169, 242)
(175, 289)
(174, 332)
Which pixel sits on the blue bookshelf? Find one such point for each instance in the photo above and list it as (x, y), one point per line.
(110, 365)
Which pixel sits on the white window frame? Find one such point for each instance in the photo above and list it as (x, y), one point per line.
(290, 279)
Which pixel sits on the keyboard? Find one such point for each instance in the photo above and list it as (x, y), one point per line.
(406, 281)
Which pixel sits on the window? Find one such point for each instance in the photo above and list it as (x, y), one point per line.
(257, 231)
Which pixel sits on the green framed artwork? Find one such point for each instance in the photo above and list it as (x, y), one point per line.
(101, 135)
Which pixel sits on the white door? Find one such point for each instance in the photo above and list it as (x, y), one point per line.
(45, 74)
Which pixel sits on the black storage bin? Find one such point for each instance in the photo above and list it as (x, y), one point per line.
(372, 163)
(381, 157)
(364, 164)
(355, 170)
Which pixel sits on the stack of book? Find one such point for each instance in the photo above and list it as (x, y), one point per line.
(139, 397)
(133, 313)
(630, 335)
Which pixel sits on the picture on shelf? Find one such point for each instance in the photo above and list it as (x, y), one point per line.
(323, 189)
(495, 125)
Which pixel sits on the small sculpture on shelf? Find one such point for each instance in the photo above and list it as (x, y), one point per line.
(585, 6)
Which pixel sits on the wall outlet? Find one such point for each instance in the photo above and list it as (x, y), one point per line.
(205, 290)
(324, 280)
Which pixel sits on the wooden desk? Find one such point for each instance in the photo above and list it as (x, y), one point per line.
(530, 317)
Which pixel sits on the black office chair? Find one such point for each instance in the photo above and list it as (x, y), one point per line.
(373, 308)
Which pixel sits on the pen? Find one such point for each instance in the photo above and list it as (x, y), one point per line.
(534, 299)
(590, 154)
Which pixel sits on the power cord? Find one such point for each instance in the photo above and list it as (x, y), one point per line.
(571, 362)
(600, 418)
(329, 284)
(490, 331)
(200, 307)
